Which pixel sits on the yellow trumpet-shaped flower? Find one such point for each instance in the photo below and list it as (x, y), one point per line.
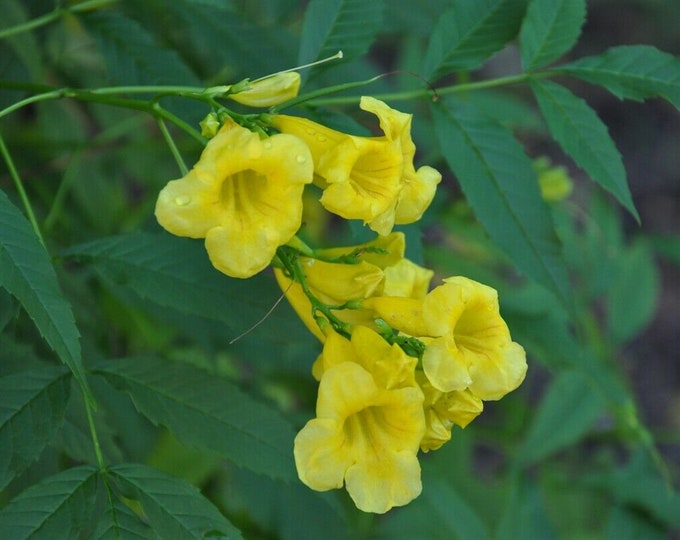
(443, 410)
(269, 91)
(470, 335)
(244, 196)
(369, 424)
(417, 188)
(468, 344)
(368, 178)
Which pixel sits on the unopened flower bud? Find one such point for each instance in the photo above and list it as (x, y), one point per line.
(210, 125)
(269, 91)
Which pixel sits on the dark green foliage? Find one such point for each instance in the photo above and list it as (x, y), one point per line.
(176, 411)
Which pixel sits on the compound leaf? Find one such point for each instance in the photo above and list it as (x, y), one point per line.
(206, 411)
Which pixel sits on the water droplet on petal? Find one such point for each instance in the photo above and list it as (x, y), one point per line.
(300, 159)
(182, 200)
(310, 132)
(267, 144)
(321, 138)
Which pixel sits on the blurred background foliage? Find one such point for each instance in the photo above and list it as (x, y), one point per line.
(588, 447)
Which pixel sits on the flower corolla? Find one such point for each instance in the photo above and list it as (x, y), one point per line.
(244, 196)
(369, 424)
(368, 178)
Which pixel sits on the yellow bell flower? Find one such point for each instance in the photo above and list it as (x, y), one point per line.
(464, 318)
(367, 178)
(244, 196)
(417, 188)
(369, 424)
(468, 344)
(443, 410)
(269, 91)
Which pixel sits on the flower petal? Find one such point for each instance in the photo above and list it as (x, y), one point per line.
(379, 486)
(495, 375)
(444, 366)
(319, 457)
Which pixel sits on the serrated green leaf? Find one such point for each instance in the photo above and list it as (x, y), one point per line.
(583, 136)
(206, 411)
(26, 271)
(550, 29)
(32, 406)
(569, 403)
(219, 38)
(633, 293)
(176, 273)
(501, 186)
(174, 508)
(57, 507)
(633, 72)
(121, 523)
(330, 26)
(469, 33)
(132, 55)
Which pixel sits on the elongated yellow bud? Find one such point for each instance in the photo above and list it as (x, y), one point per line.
(269, 91)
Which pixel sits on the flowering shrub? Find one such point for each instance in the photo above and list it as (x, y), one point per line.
(330, 302)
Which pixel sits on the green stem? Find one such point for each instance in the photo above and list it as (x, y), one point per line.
(308, 97)
(95, 438)
(47, 18)
(426, 92)
(109, 98)
(173, 147)
(290, 259)
(20, 189)
(322, 313)
(46, 96)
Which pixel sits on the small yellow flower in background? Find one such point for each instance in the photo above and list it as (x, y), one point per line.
(554, 182)
(368, 178)
(369, 424)
(468, 344)
(269, 91)
(244, 196)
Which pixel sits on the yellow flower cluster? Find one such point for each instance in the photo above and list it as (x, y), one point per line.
(401, 363)
(448, 345)
(244, 196)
